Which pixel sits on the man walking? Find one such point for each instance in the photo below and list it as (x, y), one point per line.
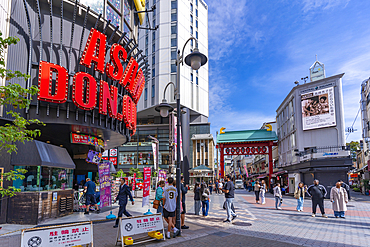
(90, 195)
(184, 190)
(346, 187)
(124, 191)
(229, 196)
(169, 208)
(317, 193)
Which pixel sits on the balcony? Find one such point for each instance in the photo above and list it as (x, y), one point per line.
(323, 152)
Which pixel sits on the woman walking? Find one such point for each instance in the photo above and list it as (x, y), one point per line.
(257, 187)
(339, 198)
(263, 191)
(278, 196)
(197, 204)
(204, 197)
(299, 195)
(159, 196)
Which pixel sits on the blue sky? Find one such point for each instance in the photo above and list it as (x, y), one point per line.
(257, 49)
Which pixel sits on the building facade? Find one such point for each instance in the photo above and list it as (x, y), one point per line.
(310, 127)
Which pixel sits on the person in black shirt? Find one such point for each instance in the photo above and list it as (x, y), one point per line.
(317, 193)
(184, 190)
(229, 196)
(124, 191)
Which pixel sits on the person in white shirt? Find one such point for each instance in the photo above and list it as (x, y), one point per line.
(169, 208)
(220, 187)
(278, 196)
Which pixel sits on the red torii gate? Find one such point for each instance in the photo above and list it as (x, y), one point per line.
(246, 142)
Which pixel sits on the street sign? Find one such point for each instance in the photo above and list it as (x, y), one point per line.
(113, 152)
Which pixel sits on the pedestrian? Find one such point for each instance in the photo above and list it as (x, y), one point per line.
(216, 187)
(263, 189)
(257, 187)
(220, 187)
(159, 196)
(253, 183)
(249, 186)
(90, 188)
(197, 203)
(169, 208)
(299, 194)
(346, 187)
(278, 196)
(210, 186)
(339, 198)
(229, 198)
(317, 193)
(124, 191)
(184, 190)
(204, 197)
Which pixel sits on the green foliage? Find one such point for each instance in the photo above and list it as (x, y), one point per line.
(356, 189)
(365, 183)
(11, 176)
(17, 96)
(139, 174)
(354, 147)
(119, 174)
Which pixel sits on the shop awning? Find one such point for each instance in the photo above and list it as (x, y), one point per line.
(262, 175)
(201, 168)
(36, 153)
(278, 173)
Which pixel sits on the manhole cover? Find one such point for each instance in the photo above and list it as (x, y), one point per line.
(221, 234)
(241, 224)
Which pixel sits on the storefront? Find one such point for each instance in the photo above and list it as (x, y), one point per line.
(200, 174)
(90, 76)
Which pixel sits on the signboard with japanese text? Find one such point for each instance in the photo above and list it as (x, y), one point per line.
(318, 109)
(105, 184)
(113, 152)
(141, 224)
(87, 140)
(134, 182)
(147, 174)
(62, 235)
(113, 160)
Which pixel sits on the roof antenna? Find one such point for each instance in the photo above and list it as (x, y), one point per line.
(316, 57)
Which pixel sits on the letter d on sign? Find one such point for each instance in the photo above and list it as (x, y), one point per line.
(46, 83)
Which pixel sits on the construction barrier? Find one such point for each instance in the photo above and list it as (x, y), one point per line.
(130, 228)
(67, 235)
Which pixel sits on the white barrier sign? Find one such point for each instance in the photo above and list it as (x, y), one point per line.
(63, 236)
(141, 224)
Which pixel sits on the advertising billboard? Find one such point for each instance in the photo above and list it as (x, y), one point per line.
(318, 109)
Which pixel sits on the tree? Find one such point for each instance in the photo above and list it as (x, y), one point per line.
(119, 174)
(15, 131)
(354, 147)
(139, 174)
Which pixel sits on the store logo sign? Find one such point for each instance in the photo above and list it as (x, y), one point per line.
(85, 93)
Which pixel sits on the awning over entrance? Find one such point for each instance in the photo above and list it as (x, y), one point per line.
(279, 173)
(201, 168)
(36, 153)
(262, 176)
(259, 135)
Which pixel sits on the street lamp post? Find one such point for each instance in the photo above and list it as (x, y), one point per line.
(195, 60)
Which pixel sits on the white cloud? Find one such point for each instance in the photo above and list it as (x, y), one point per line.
(309, 5)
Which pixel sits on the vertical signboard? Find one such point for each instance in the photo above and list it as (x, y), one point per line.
(154, 147)
(146, 189)
(246, 171)
(318, 109)
(134, 182)
(105, 184)
(175, 138)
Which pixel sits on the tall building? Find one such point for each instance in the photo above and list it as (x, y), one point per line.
(310, 128)
(177, 21)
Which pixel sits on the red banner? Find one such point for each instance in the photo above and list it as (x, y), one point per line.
(146, 189)
(134, 182)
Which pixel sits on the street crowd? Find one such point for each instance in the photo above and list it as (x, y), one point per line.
(166, 198)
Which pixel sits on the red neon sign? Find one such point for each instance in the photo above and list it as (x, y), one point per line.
(84, 87)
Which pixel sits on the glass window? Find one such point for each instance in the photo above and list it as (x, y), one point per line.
(153, 35)
(173, 4)
(206, 147)
(146, 40)
(153, 72)
(173, 17)
(173, 42)
(173, 68)
(97, 6)
(173, 55)
(191, 30)
(196, 79)
(191, 7)
(116, 3)
(153, 47)
(191, 42)
(196, 23)
(191, 18)
(198, 147)
(153, 59)
(146, 52)
(196, 34)
(153, 23)
(196, 13)
(196, 2)
(191, 76)
(153, 91)
(173, 29)
(38, 178)
(113, 16)
(146, 94)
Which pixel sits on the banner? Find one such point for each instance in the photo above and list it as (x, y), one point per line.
(141, 224)
(113, 160)
(87, 140)
(246, 171)
(175, 138)
(105, 184)
(162, 175)
(318, 109)
(146, 189)
(154, 147)
(93, 157)
(134, 182)
(62, 235)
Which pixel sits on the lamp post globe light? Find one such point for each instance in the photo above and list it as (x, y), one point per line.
(195, 60)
